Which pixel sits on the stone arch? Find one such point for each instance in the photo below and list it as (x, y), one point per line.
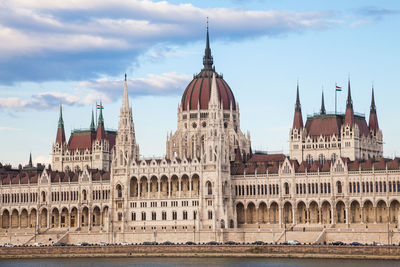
(43, 218)
(287, 212)
(326, 216)
(164, 186)
(339, 187)
(251, 213)
(368, 211)
(355, 212)
(74, 220)
(133, 187)
(33, 215)
(5, 219)
(105, 217)
(55, 218)
(273, 213)
(394, 211)
(262, 212)
(154, 186)
(286, 188)
(185, 186)
(314, 212)
(96, 216)
(240, 213)
(24, 219)
(84, 195)
(14, 218)
(382, 212)
(85, 217)
(222, 224)
(195, 185)
(64, 217)
(340, 212)
(174, 185)
(301, 212)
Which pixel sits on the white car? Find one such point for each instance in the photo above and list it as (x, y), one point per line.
(293, 242)
(124, 244)
(8, 245)
(102, 244)
(38, 244)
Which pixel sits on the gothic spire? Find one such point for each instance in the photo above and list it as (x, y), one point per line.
(30, 160)
(125, 99)
(349, 103)
(323, 110)
(373, 117)
(373, 107)
(92, 127)
(298, 117)
(60, 119)
(101, 120)
(207, 59)
(60, 138)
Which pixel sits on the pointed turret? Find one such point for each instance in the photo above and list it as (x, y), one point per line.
(92, 127)
(373, 118)
(125, 99)
(30, 160)
(214, 102)
(101, 133)
(298, 118)
(349, 116)
(60, 139)
(323, 110)
(207, 59)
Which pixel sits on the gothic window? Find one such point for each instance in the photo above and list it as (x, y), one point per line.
(174, 215)
(333, 158)
(154, 216)
(119, 191)
(185, 215)
(133, 216)
(309, 159)
(209, 188)
(210, 215)
(339, 187)
(143, 216)
(164, 216)
(321, 159)
(286, 188)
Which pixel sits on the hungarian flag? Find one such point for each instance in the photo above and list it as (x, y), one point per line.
(100, 106)
(338, 88)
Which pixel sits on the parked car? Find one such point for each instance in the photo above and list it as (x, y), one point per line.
(337, 243)
(8, 245)
(213, 243)
(378, 244)
(230, 243)
(124, 244)
(293, 242)
(149, 243)
(102, 244)
(190, 243)
(356, 244)
(258, 243)
(59, 244)
(167, 243)
(38, 244)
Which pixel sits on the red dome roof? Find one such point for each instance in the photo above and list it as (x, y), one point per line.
(199, 90)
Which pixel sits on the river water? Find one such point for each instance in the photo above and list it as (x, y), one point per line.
(194, 262)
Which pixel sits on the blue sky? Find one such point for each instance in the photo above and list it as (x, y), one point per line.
(77, 52)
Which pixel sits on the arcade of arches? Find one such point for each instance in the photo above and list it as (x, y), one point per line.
(95, 219)
(313, 213)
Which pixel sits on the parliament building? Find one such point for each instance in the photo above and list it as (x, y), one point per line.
(210, 185)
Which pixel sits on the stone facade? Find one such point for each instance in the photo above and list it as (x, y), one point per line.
(209, 186)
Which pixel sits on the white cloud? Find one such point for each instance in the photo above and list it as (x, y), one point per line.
(6, 128)
(43, 159)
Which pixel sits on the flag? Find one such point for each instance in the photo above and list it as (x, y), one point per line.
(338, 88)
(100, 106)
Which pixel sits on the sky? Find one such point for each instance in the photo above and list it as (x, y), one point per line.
(76, 53)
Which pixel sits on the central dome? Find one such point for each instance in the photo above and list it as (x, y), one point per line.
(198, 92)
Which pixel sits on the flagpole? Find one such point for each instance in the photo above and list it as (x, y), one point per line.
(96, 115)
(335, 97)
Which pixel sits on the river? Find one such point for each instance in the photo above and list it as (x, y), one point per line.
(194, 262)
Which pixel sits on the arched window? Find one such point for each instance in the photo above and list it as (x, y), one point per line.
(321, 159)
(119, 191)
(286, 188)
(333, 158)
(84, 194)
(209, 188)
(339, 187)
(309, 159)
(43, 196)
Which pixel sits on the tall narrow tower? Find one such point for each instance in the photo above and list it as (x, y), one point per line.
(126, 149)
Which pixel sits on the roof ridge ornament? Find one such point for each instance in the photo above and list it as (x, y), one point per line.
(208, 59)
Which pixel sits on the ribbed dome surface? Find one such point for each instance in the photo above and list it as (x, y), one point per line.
(199, 89)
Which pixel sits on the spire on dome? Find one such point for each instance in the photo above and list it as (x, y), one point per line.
(323, 110)
(92, 127)
(214, 94)
(125, 99)
(373, 117)
(207, 59)
(298, 117)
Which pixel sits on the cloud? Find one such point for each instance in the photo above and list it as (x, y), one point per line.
(85, 39)
(5, 128)
(42, 159)
(109, 90)
(376, 12)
